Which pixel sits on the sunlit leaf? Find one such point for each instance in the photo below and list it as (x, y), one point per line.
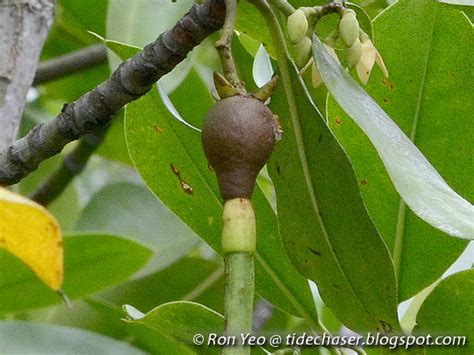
(32, 234)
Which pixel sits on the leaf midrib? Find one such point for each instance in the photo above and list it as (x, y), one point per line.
(292, 107)
(402, 211)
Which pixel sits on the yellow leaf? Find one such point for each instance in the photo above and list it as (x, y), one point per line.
(32, 234)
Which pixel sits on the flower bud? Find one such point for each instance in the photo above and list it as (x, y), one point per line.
(353, 53)
(349, 28)
(302, 52)
(297, 25)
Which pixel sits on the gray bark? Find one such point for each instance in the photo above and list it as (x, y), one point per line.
(24, 25)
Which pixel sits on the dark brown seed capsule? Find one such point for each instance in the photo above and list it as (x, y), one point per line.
(238, 137)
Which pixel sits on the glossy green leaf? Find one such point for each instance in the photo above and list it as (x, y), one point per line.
(132, 211)
(449, 310)
(186, 184)
(92, 263)
(17, 337)
(324, 225)
(180, 321)
(429, 97)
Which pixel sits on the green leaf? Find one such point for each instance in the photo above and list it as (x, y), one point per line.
(192, 108)
(66, 207)
(250, 22)
(132, 211)
(324, 225)
(206, 286)
(69, 33)
(141, 22)
(449, 310)
(92, 263)
(114, 146)
(153, 133)
(19, 337)
(429, 97)
(458, 2)
(180, 321)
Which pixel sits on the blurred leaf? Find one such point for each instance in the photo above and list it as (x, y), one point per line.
(140, 22)
(92, 263)
(32, 234)
(206, 286)
(114, 146)
(324, 225)
(132, 211)
(192, 193)
(66, 207)
(69, 33)
(429, 97)
(18, 337)
(449, 310)
(180, 321)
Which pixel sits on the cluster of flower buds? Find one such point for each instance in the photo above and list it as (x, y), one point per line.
(298, 25)
(358, 48)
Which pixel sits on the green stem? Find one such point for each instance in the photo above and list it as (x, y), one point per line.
(284, 6)
(238, 244)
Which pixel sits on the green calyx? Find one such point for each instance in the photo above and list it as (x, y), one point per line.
(238, 231)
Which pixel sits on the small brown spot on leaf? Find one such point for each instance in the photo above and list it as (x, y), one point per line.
(386, 100)
(385, 81)
(209, 166)
(278, 168)
(337, 286)
(158, 129)
(315, 252)
(338, 120)
(175, 169)
(384, 327)
(364, 182)
(186, 187)
(392, 86)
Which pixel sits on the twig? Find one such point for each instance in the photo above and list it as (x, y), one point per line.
(71, 63)
(72, 165)
(130, 81)
(223, 46)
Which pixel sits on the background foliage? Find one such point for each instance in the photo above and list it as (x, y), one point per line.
(138, 234)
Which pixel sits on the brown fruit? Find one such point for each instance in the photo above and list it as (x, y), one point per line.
(238, 137)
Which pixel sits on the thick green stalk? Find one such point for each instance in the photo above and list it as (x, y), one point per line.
(238, 244)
